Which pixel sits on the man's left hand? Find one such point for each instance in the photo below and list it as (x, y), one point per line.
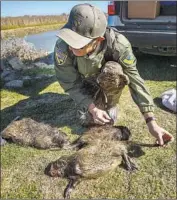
(159, 133)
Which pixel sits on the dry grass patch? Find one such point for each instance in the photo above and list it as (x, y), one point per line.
(21, 32)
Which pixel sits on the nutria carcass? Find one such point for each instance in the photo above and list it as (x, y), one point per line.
(97, 132)
(92, 161)
(111, 78)
(28, 132)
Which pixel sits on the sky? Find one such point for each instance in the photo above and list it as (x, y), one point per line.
(20, 8)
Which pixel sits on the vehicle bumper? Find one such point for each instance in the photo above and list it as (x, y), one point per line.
(162, 43)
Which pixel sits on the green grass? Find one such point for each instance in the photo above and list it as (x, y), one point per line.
(22, 171)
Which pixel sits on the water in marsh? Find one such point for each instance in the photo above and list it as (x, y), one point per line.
(45, 40)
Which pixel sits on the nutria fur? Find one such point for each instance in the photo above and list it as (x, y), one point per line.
(111, 78)
(91, 161)
(28, 132)
(106, 132)
(101, 149)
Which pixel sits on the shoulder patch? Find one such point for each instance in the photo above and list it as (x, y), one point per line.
(60, 55)
(127, 58)
(61, 52)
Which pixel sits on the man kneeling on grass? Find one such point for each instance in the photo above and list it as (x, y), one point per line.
(85, 44)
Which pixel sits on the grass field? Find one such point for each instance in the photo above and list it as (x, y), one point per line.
(22, 170)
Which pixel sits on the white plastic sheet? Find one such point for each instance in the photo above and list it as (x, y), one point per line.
(169, 99)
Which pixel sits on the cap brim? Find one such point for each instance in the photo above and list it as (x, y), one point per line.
(72, 38)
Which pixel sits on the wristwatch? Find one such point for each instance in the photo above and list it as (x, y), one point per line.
(149, 119)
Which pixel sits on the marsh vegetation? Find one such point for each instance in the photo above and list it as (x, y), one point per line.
(25, 25)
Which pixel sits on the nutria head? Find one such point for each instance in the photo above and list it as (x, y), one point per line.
(112, 76)
(60, 139)
(56, 168)
(135, 150)
(122, 133)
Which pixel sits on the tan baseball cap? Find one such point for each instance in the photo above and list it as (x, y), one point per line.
(85, 23)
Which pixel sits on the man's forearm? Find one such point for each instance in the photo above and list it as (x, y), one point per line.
(150, 119)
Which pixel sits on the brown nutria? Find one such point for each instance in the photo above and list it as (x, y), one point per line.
(106, 132)
(91, 88)
(28, 132)
(90, 162)
(111, 79)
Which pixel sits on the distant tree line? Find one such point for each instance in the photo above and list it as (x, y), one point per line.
(31, 20)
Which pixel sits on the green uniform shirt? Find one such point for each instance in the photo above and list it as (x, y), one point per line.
(70, 70)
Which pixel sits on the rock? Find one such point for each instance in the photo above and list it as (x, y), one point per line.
(27, 81)
(2, 65)
(26, 78)
(39, 77)
(45, 76)
(49, 59)
(50, 75)
(43, 65)
(14, 84)
(9, 75)
(16, 63)
(5, 73)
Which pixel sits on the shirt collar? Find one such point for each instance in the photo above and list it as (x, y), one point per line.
(96, 51)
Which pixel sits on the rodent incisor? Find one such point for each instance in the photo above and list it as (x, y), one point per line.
(28, 132)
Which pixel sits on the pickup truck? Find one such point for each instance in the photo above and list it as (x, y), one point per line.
(153, 36)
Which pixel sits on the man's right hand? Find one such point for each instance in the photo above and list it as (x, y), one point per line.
(99, 116)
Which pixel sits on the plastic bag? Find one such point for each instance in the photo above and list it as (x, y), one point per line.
(169, 99)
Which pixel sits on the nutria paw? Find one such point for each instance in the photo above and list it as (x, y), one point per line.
(129, 164)
(69, 189)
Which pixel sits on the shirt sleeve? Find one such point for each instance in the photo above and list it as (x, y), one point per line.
(68, 76)
(139, 92)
